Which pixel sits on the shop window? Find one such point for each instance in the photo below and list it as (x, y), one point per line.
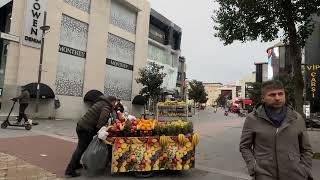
(71, 64)
(83, 5)
(157, 54)
(123, 17)
(120, 49)
(119, 73)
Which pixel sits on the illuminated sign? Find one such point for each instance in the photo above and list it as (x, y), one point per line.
(313, 79)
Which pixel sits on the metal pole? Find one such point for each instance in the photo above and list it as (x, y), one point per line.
(40, 63)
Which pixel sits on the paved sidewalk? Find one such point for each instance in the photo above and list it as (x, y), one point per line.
(12, 168)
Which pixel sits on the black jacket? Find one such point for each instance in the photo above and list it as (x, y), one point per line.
(97, 116)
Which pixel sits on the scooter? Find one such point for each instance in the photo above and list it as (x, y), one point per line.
(6, 123)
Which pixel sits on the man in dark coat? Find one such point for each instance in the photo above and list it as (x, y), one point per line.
(23, 99)
(274, 141)
(96, 117)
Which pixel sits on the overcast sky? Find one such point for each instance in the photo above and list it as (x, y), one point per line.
(207, 59)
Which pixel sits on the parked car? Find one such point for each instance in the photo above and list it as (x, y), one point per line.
(313, 123)
(235, 109)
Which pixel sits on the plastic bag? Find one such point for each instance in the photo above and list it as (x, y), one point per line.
(95, 158)
(102, 133)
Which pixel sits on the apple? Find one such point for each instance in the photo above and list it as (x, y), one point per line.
(134, 123)
(113, 129)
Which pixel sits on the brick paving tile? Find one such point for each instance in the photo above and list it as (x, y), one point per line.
(12, 168)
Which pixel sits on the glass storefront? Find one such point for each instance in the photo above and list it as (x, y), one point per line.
(5, 21)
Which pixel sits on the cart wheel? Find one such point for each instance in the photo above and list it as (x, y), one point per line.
(4, 125)
(144, 174)
(28, 127)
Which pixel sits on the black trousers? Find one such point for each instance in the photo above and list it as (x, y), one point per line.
(22, 114)
(84, 139)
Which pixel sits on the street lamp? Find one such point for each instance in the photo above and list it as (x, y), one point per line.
(44, 28)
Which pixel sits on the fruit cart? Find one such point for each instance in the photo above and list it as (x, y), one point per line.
(146, 146)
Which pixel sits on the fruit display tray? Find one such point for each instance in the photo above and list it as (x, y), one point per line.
(137, 154)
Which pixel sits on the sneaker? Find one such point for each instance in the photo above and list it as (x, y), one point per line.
(72, 174)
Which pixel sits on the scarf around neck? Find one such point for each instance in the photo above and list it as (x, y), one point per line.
(276, 117)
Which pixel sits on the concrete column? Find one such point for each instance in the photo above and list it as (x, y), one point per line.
(141, 46)
(97, 47)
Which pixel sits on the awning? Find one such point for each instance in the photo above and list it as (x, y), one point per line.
(92, 95)
(45, 91)
(247, 101)
(139, 100)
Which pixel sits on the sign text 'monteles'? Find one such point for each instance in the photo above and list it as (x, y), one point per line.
(119, 64)
(72, 51)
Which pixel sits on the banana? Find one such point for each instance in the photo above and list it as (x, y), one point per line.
(181, 138)
(163, 140)
(136, 141)
(195, 139)
(169, 140)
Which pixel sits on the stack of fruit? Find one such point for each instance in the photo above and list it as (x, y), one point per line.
(116, 129)
(146, 125)
(149, 154)
(172, 103)
(173, 128)
(120, 155)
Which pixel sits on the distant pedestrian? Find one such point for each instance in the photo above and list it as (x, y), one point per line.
(274, 141)
(96, 117)
(23, 99)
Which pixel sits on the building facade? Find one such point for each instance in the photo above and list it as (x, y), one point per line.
(244, 84)
(261, 72)
(164, 48)
(213, 90)
(92, 44)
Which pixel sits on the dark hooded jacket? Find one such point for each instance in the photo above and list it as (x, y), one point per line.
(97, 116)
(24, 97)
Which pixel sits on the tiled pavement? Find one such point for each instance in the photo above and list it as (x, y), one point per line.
(13, 168)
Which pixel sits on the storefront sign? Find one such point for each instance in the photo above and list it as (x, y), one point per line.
(270, 69)
(157, 34)
(314, 77)
(9, 37)
(248, 88)
(119, 64)
(71, 51)
(33, 21)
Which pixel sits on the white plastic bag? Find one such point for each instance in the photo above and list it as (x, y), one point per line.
(102, 133)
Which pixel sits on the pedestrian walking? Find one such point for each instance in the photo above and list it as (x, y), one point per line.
(96, 117)
(23, 99)
(274, 141)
